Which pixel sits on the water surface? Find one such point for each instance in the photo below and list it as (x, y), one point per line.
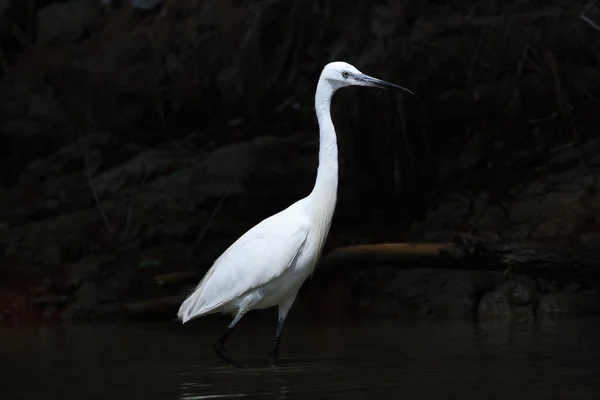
(317, 361)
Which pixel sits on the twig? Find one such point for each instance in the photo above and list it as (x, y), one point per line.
(17, 33)
(128, 223)
(484, 31)
(385, 252)
(407, 146)
(130, 213)
(544, 119)
(177, 278)
(210, 219)
(161, 304)
(97, 200)
(523, 60)
(586, 19)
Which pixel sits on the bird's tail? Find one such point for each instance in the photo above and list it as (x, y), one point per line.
(192, 307)
(185, 309)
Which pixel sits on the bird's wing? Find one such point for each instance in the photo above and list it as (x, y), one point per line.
(256, 258)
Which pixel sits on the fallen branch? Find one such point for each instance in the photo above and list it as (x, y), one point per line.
(587, 19)
(343, 260)
(469, 251)
(177, 278)
(386, 252)
(159, 305)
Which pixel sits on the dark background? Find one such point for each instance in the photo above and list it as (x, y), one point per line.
(125, 132)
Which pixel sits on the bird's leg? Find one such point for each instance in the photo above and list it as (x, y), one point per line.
(220, 343)
(275, 348)
(284, 308)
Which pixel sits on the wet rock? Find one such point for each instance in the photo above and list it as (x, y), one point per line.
(452, 306)
(573, 301)
(451, 295)
(521, 294)
(546, 286)
(495, 305)
(510, 299)
(409, 285)
(417, 293)
(100, 285)
(585, 302)
(90, 299)
(550, 305)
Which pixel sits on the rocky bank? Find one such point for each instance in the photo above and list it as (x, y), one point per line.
(136, 143)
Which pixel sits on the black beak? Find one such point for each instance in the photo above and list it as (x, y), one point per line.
(370, 81)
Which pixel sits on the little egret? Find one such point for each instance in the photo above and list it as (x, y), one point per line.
(267, 265)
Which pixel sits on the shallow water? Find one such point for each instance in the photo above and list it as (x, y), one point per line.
(317, 361)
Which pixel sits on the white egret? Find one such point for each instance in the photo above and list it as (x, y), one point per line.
(267, 265)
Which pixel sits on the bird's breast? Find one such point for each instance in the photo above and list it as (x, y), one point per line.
(310, 253)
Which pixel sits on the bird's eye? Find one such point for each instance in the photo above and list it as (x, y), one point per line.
(345, 74)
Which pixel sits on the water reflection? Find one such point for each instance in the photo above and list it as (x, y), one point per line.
(318, 361)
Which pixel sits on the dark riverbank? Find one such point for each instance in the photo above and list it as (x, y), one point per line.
(123, 134)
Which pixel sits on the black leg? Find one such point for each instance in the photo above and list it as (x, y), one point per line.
(275, 348)
(220, 343)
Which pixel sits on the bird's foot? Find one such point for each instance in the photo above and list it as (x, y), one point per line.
(275, 351)
(221, 352)
(273, 361)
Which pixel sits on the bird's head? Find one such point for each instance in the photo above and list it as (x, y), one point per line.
(341, 74)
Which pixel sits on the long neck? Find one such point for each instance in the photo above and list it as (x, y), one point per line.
(324, 194)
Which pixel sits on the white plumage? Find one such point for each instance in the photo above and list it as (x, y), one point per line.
(235, 282)
(267, 265)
